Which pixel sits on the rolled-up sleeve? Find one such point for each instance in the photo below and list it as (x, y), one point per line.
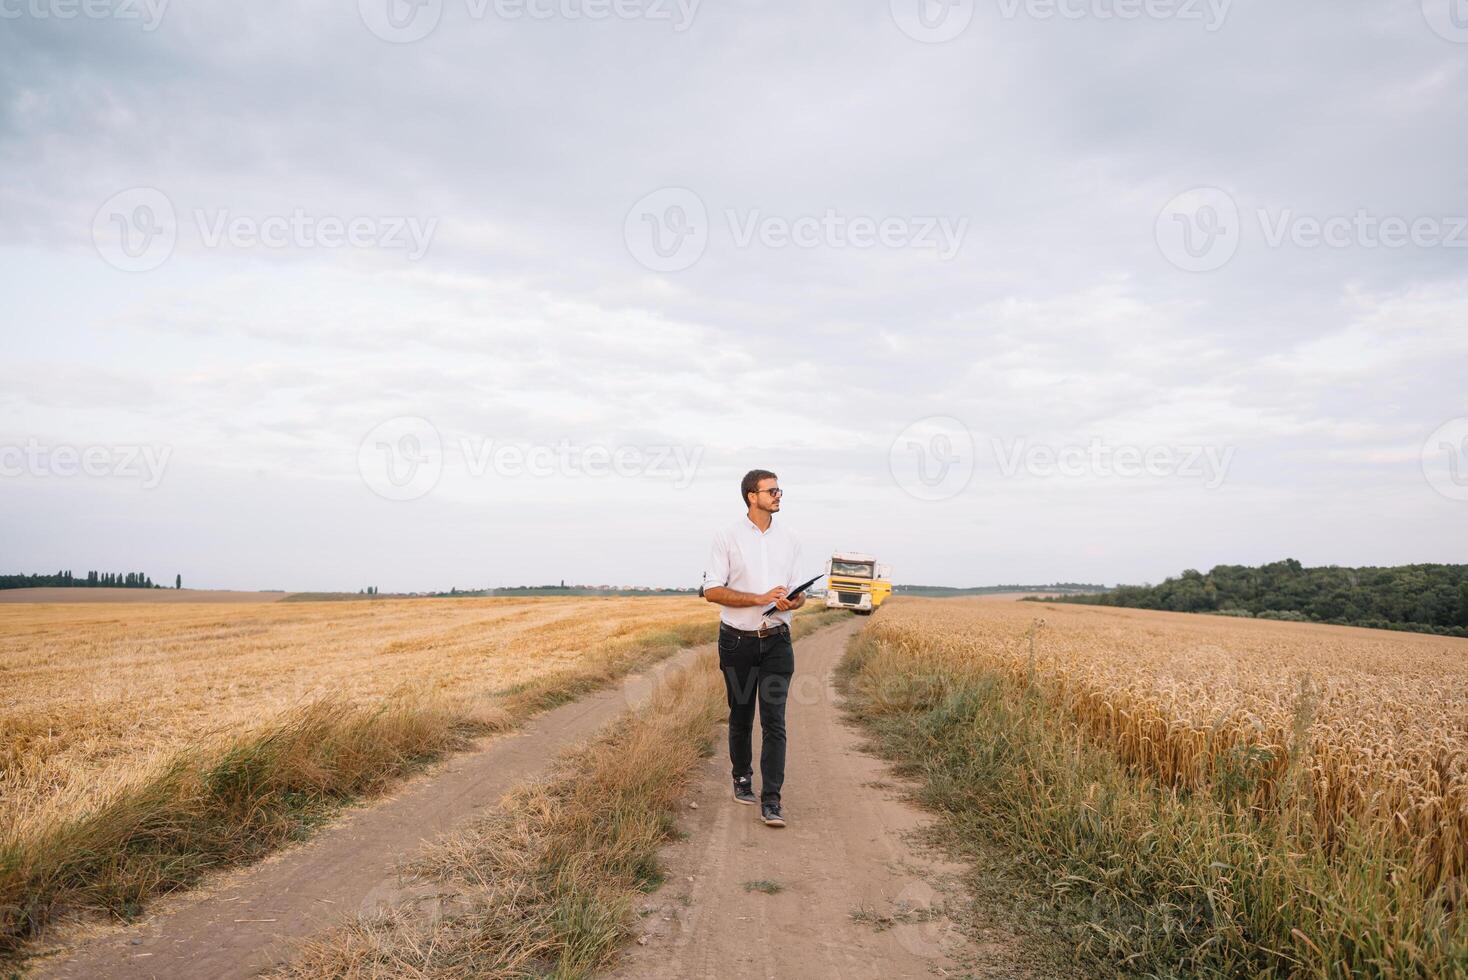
(716, 575)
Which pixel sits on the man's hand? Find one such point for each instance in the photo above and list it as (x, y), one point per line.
(785, 605)
(775, 595)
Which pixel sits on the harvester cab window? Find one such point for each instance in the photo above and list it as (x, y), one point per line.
(851, 569)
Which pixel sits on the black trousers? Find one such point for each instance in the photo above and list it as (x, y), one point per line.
(757, 671)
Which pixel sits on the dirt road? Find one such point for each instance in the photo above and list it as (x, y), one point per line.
(840, 893)
(244, 924)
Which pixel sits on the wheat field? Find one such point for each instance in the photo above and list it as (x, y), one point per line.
(1316, 774)
(142, 744)
(93, 694)
(1378, 719)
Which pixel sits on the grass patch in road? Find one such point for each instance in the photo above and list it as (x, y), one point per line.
(764, 886)
(903, 913)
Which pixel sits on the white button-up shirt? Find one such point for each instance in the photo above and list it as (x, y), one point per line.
(746, 559)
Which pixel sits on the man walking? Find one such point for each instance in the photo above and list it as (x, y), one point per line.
(752, 566)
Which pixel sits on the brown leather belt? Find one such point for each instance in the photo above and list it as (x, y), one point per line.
(761, 633)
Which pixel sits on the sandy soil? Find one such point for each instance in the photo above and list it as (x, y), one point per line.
(846, 891)
(136, 595)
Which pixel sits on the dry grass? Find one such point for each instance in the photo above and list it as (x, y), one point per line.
(1251, 796)
(143, 745)
(544, 886)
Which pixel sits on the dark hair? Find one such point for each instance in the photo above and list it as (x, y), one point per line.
(750, 483)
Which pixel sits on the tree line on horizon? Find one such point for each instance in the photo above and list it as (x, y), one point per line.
(958, 590)
(1419, 598)
(92, 580)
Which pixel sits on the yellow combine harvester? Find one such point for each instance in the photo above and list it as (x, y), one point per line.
(857, 582)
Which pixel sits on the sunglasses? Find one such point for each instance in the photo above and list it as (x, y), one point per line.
(773, 492)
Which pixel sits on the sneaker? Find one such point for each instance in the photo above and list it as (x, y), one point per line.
(770, 814)
(744, 790)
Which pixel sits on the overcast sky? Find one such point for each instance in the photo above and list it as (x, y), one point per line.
(320, 295)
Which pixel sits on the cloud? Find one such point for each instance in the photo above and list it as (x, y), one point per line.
(1054, 143)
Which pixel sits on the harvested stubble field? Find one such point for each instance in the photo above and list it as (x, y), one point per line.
(1207, 794)
(141, 745)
